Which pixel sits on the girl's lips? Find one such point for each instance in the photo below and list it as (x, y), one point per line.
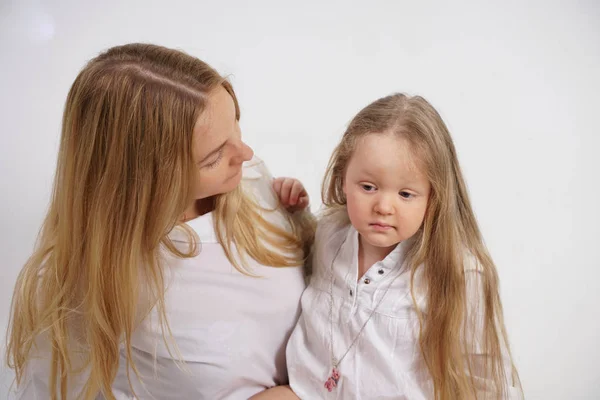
(380, 226)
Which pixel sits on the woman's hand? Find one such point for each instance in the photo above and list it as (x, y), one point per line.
(291, 193)
(276, 393)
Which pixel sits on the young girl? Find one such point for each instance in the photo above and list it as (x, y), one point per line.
(403, 302)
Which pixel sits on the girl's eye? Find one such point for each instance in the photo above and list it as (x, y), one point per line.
(368, 188)
(216, 162)
(406, 195)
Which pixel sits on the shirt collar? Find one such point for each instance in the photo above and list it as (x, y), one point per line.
(349, 251)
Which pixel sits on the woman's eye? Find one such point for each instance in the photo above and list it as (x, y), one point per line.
(216, 162)
(406, 195)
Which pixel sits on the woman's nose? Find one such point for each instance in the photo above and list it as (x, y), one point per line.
(244, 152)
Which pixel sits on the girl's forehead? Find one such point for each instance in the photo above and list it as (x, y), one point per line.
(387, 149)
(389, 158)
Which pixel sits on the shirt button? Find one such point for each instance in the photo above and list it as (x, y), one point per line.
(351, 292)
(380, 272)
(367, 281)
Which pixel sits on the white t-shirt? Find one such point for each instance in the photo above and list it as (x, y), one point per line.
(385, 361)
(231, 329)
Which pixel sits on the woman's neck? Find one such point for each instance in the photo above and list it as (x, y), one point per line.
(199, 207)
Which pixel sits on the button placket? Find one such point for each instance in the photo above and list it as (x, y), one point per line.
(352, 292)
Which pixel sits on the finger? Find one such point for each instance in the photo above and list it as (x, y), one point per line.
(277, 186)
(300, 206)
(286, 189)
(297, 191)
(303, 202)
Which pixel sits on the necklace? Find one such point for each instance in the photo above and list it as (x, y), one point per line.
(335, 376)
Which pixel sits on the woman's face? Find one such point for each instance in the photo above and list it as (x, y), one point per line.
(217, 147)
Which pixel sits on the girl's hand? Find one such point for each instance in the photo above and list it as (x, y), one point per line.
(291, 193)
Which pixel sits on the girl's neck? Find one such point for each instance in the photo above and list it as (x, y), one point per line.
(369, 255)
(199, 207)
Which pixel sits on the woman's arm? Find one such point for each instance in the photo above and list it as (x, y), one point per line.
(276, 393)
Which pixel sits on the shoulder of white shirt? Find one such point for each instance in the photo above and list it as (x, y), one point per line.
(255, 169)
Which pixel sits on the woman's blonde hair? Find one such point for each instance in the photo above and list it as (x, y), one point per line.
(122, 184)
(440, 249)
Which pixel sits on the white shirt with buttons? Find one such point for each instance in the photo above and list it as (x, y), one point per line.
(385, 362)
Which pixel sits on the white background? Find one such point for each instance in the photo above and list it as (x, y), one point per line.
(516, 82)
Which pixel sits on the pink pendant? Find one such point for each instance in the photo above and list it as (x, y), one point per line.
(332, 381)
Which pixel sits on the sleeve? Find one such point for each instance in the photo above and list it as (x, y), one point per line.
(258, 181)
(35, 383)
(331, 231)
(474, 336)
(33, 388)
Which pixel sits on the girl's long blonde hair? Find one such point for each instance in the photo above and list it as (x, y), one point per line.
(449, 236)
(122, 184)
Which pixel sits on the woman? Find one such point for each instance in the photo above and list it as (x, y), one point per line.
(165, 267)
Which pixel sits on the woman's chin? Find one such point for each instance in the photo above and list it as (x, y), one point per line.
(228, 185)
(231, 183)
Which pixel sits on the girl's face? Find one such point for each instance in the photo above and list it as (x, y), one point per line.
(386, 191)
(217, 147)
